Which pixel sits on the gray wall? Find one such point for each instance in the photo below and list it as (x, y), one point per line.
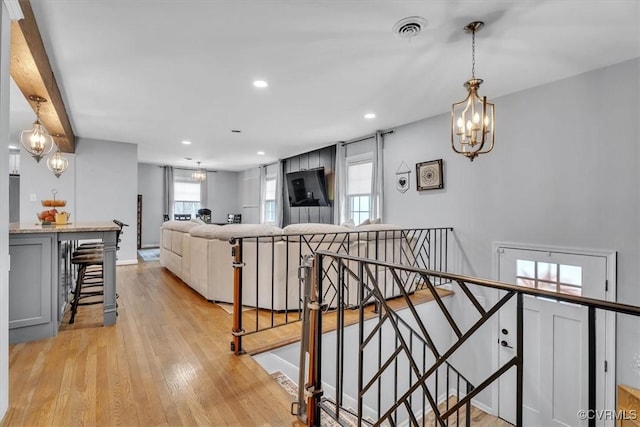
(150, 186)
(325, 157)
(565, 172)
(107, 188)
(100, 185)
(222, 195)
(222, 198)
(37, 181)
(5, 29)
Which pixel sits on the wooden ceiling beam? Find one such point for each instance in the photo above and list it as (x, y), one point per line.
(31, 70)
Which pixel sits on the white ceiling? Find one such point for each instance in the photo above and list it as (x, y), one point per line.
(156, 72)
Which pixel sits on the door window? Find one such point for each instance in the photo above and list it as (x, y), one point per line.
(549, 276)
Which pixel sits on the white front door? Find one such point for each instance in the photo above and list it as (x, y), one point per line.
(555, 336)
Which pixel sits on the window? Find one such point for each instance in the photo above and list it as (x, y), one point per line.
(564, 279)
(270, 200)
(359, 184)
(186, 197)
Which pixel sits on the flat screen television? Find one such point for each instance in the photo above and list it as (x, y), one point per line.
(307, 188)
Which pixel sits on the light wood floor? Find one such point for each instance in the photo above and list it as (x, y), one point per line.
(167, 362)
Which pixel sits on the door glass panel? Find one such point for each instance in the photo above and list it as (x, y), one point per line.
(526, 268)
(571, 274)
(549, 276)
(547, 286)
(548, 271)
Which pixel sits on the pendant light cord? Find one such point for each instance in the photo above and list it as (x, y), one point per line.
(473, 54)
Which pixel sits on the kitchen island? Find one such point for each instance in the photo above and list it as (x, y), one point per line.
(40, 275)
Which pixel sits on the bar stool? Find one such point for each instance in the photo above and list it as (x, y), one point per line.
(86, 286)
(89, 258)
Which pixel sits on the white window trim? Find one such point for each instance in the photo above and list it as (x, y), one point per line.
(357, 159)
(269, 177)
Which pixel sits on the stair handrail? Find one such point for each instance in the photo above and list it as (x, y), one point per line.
(314, 403)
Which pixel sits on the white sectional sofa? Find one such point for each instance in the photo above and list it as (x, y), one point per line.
(211, 263)
(201, 255)
(175, 248)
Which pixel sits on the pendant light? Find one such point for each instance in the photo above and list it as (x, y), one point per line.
(57, 164)
(199, 175)
(37, 141)
(472, 120)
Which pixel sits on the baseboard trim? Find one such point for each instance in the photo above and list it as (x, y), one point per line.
(127, 262)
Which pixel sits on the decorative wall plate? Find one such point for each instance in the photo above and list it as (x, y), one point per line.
(429, 175)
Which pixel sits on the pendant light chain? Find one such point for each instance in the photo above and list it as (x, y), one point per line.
(473, 53)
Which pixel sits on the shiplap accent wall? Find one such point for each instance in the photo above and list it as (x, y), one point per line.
(324, 157)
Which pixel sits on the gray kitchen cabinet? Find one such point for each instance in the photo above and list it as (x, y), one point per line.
(32, 307)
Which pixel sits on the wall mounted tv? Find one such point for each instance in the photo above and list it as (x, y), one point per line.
(307, 188)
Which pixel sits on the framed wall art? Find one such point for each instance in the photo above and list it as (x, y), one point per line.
(429, 175)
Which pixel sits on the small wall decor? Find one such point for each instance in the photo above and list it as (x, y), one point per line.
(429, 175)
(402, 178)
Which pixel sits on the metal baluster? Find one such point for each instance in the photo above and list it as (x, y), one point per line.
(520, 356)
(592, 365)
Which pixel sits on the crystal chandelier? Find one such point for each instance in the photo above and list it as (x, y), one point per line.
(37, 141)
(199, 174)
(472, 120)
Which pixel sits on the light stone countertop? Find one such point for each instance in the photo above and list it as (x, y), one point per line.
(29, 228)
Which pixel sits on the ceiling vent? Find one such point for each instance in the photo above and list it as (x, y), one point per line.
(409, 27)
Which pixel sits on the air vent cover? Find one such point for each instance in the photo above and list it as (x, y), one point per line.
(409, 27)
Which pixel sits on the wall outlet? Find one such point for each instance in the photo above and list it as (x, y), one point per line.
(33, 197)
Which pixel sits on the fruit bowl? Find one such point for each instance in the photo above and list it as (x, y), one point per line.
(47, 217)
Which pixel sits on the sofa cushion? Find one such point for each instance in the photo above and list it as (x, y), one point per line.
(205, 231)
(349, 223)
(314, 232)
(269, 232)
(176, 241)
(184, 226)
(165, 238)
(370, 231)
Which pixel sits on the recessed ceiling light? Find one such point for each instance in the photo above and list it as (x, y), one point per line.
(13, 147)
(369, 116)
(186, 142)
(260, 153)
(260, 83)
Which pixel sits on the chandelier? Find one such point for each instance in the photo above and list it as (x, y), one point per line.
(37, 141)
(472, 120)
(199, 175)
(57, 164)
